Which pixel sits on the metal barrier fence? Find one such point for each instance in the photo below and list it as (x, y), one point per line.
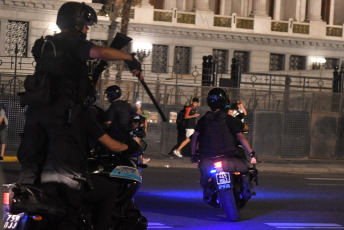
(14, 69)
(285, 82)
(283, 124)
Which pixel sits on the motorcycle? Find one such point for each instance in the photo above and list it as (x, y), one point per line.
(225, 186)
(29, 207)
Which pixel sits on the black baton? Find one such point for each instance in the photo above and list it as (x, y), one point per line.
(152, 98)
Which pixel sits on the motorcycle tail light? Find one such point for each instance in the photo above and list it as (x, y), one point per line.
(6, 198)
(37, 218)
(237, 173)
(218, 164)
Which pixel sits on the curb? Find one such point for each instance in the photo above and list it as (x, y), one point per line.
(318, 167)
(279, 166)
(10, 159)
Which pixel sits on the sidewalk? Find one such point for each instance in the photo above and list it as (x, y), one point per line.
(265, 164)
(282, 165)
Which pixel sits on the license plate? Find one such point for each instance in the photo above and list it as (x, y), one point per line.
(11, 221)
(223, 178)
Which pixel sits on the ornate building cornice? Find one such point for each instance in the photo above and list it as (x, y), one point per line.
(49, 5)
(237, 37)
(40, 4)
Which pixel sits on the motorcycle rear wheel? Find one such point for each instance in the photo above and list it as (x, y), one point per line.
(229, 206)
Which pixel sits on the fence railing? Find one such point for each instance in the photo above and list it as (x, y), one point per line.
(294, 124)
(12, 76)
(285, 82)
(21, 64)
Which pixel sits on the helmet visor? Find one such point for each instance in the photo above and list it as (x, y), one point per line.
(90, 16)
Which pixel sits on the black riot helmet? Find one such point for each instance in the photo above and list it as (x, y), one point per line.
(217, 99)
(75, 15)
(113, 92)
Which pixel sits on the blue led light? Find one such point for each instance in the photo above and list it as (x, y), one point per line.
(213, 171)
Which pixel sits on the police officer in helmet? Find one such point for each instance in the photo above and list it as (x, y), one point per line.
(216, 134)
(118, 115)
(54, 141)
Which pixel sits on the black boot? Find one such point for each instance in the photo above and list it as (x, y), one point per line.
(247, 187)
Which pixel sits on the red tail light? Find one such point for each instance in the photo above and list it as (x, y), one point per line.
(6, 198)
(218, 164)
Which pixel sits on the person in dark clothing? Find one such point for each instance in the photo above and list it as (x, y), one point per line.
(230, 110)
(118, 115)
(190, 123)
(216, 134)
(3, 131)
(54, 143)
(180, 121)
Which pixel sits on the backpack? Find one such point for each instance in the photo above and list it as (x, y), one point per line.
(181, 118)
(37, 86)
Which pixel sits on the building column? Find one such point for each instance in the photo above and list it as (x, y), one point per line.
(202, 5)
(313, 10)
(181, 5)
(259, 8)
(170, 4)
(145, 2)
(332, 12)
(189, 5)
(226, 7)
(277, 10)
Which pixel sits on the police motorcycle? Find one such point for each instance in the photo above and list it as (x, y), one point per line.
(29, 207)
(225, 186)
(226, 176)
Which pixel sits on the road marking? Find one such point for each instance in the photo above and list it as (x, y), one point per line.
(325, 179)
(339, 179)
(306, 225)
(327, 184)
(157, 225)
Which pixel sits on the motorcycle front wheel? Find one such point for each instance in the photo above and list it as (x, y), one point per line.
(229, 206)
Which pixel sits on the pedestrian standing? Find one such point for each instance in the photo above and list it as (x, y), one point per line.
(3, 131)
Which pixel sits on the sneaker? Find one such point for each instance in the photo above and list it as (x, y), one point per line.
(1, 159)
(177, 153)
(145, 160)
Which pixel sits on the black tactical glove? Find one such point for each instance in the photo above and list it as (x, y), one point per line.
(253, 154)
(134, 149)
(134, 64)
(195, 159)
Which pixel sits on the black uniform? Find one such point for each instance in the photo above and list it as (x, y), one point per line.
(54, 144)
(55, 135)
(119, 113)
(217, 132)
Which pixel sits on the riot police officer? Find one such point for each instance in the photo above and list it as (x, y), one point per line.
(216, 134)
(118, 115)
(58, 125)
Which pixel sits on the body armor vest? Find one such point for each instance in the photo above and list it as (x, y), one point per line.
(56, 56)
(215, 138)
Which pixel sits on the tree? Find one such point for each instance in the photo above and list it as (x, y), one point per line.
(126, 7)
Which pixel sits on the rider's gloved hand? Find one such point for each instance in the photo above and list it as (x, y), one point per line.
(134, 64)
(133, 148)
(253, 157)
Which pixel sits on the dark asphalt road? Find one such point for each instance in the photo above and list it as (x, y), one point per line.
(171, 198)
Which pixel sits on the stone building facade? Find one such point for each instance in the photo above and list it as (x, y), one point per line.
(266, 36)
(275, 37)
